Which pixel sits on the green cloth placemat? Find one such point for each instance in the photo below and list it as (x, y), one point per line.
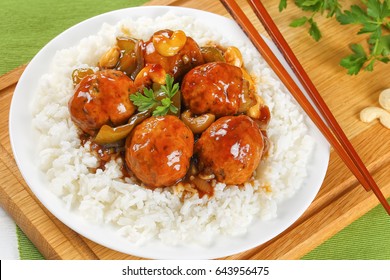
(27, 250)
(27, 25)
(367, 238)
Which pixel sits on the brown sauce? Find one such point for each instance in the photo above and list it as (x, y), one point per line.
(196, 185)
(103, 153)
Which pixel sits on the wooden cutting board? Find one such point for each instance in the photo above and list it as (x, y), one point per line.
(341, 199)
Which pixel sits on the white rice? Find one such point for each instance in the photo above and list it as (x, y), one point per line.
(141, 214)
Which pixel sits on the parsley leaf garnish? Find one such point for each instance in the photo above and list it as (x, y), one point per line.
(355, 61)
(148, 100)
(282, 5)
(144, 101)
(169, 88)
(374, 21)
(374, 18)
(314, 31)
(332, 7)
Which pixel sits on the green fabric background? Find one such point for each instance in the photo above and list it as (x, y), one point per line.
(27, 25)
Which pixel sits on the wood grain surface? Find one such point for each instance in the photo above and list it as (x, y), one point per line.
(341, 199)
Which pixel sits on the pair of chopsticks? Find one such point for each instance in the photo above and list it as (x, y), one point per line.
(341, 145)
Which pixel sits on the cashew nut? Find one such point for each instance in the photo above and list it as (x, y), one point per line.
(197, 124)
(254, 112)
(370, 114)
(233, 56)
(110, 58)
(247, 77)
(169, 46)
(384, 99)
(152, 73)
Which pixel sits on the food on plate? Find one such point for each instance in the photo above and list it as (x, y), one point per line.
(231, 149)
(102, 98)
(197, 123)
(159, 147)
(176, 52)
(159, 151)
(122, 110)
(217, 88)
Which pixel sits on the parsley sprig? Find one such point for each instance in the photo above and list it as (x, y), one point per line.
(160, 101)
(373, 17)
(375, 21)
(327, 7)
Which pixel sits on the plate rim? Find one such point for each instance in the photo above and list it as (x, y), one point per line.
(48, 206)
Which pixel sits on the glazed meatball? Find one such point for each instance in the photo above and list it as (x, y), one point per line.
(216, 88)
(231, 149)
(179, 64)
(102, 98)
(159, 151)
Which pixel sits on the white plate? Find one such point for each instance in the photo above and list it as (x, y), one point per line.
(24, 149)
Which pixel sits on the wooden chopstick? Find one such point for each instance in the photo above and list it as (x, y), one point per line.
(311, 90)
(242, 20)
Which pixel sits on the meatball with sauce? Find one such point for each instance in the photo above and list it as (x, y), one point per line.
(231, 149)
(178, 64)
(102, 98)
(217, 88)
(159, 151)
